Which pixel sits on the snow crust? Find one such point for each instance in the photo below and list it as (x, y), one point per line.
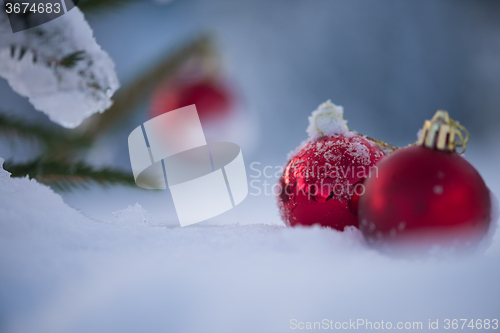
(327, 119)
(61, 271)
(33, 63)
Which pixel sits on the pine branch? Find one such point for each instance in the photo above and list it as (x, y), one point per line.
(17, 52)
(58, 170)
(53, 139)
(128, 98)
(91, 6)
(65, 175)
(72, 59)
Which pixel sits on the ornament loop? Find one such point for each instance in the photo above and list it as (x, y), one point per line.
(458, 130)
(441, 131)
(387, 148)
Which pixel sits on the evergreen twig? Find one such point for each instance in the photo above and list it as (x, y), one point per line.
(128, 98)
(12, 127)
(56, 167)
(65, 174)
(72, 59)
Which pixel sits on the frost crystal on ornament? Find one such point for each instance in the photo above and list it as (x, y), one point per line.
(327, 120)
(59, 67)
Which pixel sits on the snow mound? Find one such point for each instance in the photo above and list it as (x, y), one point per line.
(62, 272)
(132, 216)
(29, 210)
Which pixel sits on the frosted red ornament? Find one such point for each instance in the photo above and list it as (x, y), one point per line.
(325, 173)
(426, 194)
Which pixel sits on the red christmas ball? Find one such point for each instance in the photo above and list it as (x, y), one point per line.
(213, 100)
(425, 197)
(322, 177)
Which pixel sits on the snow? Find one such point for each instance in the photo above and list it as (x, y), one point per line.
(31, 61)
(360, 152)
(419, 134)
(62, 271)
(132, 215)
(327, 119)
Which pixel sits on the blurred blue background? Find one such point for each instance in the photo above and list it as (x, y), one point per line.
(391, 64)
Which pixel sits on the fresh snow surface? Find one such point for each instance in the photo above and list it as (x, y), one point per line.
(30, 60)
(61, 271)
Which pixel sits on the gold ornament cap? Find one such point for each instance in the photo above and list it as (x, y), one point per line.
(442, 132)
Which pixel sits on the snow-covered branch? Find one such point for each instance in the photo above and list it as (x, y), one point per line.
(59, 67)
